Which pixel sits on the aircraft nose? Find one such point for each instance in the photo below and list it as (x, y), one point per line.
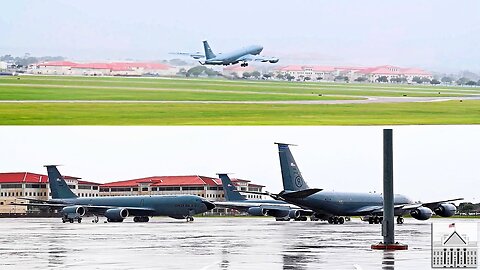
(209, 205)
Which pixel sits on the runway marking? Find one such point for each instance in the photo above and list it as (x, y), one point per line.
(367, 100)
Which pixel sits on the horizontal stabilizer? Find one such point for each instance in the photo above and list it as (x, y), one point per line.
(299, 194)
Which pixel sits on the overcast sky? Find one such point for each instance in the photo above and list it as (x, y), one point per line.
(432, 34)
(430, 162)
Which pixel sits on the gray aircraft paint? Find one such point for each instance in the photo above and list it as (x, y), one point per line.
(231, 193)
(325, 202)
(175, 206)
(244, 55)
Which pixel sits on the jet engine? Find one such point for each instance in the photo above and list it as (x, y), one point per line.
(78, 211)
(257, 211)
(295, 214)
(116, 215)
(278, 213)
(421, 213)
(445, 210)
(273, 61)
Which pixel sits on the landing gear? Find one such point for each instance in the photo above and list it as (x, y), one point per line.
(114, 220)
(301, 218)
(336, 220)
(282, 219)
(400, 220)
(95, 219)
(375, 219)
(244, 64)
(189, 219)
(79, 220)
(141, 219)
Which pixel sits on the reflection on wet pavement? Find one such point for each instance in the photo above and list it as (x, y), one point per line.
(207, 243)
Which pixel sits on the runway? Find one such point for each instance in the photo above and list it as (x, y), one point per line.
(364, 100)
(208, 243)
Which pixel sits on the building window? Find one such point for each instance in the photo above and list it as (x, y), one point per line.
(145, 189)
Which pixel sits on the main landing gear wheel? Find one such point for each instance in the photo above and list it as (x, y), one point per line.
(341, 220)
(79, 220)
(141, 219)
(400, 220)
(189, 219)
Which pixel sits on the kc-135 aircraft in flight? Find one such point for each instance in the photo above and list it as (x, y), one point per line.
(335, 206)
(281, 210)
(243, 55)
(117, 208)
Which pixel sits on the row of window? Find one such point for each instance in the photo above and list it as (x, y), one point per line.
(17, 194)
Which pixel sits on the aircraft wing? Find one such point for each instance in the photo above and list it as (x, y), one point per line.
(246, 205)
(51, 205)
(258, 58)
(410, 206)
(196, 55)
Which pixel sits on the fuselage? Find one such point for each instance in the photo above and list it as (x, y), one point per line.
(344, 203)
(178, 206)
(233, 57)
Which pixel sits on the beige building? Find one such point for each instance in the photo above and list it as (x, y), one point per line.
(24, 184)
(103, 69)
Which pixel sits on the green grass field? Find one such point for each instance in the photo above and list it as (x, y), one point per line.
(452, 112)
(61, 88)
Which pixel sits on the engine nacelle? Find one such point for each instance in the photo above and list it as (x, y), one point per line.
(294, 214)
(421, 213)
(77, 211)
(273, 61)
(278, 213)
(445, 210)
(117, 214)
(257, 211)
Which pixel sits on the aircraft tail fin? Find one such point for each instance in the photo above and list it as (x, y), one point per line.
(58, 186)
(291, 175)
(231, 192)
(208, 51)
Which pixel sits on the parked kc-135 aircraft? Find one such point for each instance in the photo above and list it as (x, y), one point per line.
(244, 55)
(281, 210)
(334, 206)
(117, 208)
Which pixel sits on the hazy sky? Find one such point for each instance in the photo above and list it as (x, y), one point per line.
(433, 34)
(430, 162)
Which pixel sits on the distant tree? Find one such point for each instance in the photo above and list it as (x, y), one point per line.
(280, 76)
(462, 81)
(246, 75)
(267, 76)
(478, 83)
(360, 79)
(234, 75)
(319, 78)
(446, 79)
(256, 74)
(195, 71)
(290, 77)
(182, 72)
(307, 78)
(466, 207)
(417, 79)
(471, 83)
(425, 80)
(382, 79)
(435, 82)
(211, 73)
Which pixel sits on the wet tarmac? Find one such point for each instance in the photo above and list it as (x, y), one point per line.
(208, 243)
